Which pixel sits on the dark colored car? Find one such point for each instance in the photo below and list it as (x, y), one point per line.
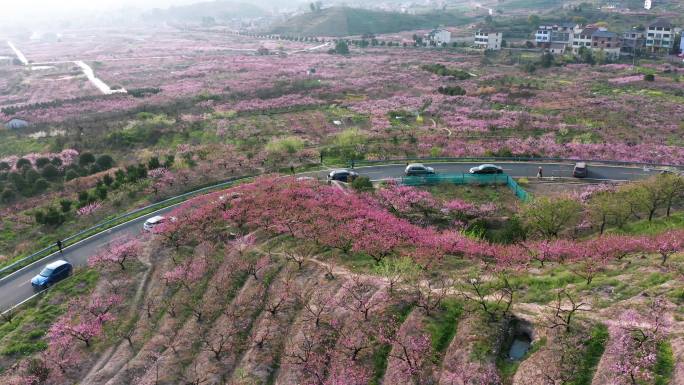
(580, 170)
(418, 169)
(486, 169)
(342, 175)
(51, 274)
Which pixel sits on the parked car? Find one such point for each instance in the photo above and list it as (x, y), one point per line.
(155, 221)
(580, 170)
(486, 169)
(51, 274)
(342, 175)
(418, 169)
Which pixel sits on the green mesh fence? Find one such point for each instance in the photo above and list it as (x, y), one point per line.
(475, 179)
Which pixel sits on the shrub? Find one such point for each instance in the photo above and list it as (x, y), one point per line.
(65, 204)
(153, 163)
(70, 175)
(4, 166)
(56, 161)
(7, 196)
(362, 183)
(22, 162)
(107, 180)
(40, 185)
(101, 192)
(451, 90)
(42, 161)
(50, 172)
(170, 160)
(86, 158)
(105, 162)
(649, 77)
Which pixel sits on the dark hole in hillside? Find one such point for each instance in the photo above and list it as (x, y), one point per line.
(519, 346)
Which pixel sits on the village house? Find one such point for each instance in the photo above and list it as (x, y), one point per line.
(439, 37)
(660, 36)
(583, 39)
(488, 40)
(555, 33)
(633, 40)
(606, 41)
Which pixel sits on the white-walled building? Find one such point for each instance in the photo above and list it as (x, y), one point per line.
(488, 40)
(439, 36)
(660, 36)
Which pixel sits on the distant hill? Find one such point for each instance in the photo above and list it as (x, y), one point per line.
(219, 10)
(344, 21)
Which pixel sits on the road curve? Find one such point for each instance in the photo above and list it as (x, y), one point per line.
(16, 287)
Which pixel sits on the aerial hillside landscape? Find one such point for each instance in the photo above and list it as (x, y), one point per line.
(342, 193)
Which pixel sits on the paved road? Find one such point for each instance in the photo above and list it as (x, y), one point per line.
(515, 169)
(16, 287)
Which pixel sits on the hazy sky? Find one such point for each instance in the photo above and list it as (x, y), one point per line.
(17, 7)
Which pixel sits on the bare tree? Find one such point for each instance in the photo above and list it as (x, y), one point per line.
(316, 303)
(430, 293)
(494, 298)
(563, 314)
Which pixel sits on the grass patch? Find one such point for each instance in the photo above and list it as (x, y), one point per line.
(594, 348)
(656, 226)
(664, 366)
(442, 324)
(382, 351)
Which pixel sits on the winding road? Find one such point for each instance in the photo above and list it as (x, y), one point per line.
(16, 288)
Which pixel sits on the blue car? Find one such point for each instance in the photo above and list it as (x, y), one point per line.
(51, 274)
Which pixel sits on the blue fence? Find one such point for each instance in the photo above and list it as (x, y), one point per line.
(463, 179)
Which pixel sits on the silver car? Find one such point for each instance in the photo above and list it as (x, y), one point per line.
(418, 169)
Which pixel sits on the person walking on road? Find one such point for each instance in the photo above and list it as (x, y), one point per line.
(540, 173)
(59, 246)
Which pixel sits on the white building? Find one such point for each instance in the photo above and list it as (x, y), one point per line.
(660, 36)
(555, 33)
(583, 39)
(488, 40)
(439, 36)
(647, 4)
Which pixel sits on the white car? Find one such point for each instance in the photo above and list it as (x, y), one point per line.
(151, 223)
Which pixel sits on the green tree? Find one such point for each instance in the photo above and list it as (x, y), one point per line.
(70, 175)
(65, 205)
(7, 196)
(23, 163)
(548, 217)
(350, 144)
(398, 271)
(362, 183)
(40, 185)
(341, 48)
(86, 158)
(105, 162)
(153, 163)
(42, 161)
(607, 208)
(50, 172)
(533, 20)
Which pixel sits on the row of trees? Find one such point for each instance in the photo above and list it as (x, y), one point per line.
(604, 206)
(28, 179)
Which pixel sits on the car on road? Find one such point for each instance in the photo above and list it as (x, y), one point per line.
(155, 221)
(51, 274)
(342, 175)
(418, 169)
(580, 170)
(486, 169)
